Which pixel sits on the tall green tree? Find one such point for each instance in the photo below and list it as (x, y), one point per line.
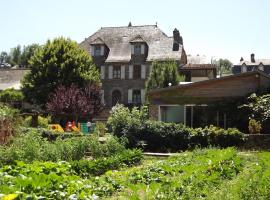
(163, 74)
(223, 66)
(59, 62)
(15, 55)
(27, 53)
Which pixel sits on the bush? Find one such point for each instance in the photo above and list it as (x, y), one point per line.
(11, 95)
(42, 121)
(30, 146)
(254, 127)
(100, 166)
(161, 136)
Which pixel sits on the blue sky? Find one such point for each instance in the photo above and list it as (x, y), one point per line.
(225, 28)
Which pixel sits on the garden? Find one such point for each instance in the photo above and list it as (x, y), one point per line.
(40, 160)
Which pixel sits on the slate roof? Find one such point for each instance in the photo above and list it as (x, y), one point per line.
(198, 66)
(257, 62)
(118, 39)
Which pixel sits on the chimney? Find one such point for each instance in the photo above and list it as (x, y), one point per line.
(252, 58)
(177, 39)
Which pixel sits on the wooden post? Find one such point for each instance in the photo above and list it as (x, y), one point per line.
(225, 121)
(217, 118)
(191, 118)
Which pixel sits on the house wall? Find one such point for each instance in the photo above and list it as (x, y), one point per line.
(153, 112)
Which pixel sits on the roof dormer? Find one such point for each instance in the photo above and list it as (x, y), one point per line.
(138, 46)
(97, 47)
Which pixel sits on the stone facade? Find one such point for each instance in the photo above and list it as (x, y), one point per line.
(124, 56)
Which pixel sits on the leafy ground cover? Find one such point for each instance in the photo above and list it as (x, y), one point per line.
(200, 174)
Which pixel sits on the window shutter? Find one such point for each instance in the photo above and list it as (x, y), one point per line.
(102, 72)
(130, 96)
(102, 50)
(102, 96)
(110, 71)
(244, 68)
(92, 50)
(142, 96)
(142, 71)
(142, 48)
(132, 49)
(123, 72)
(130, 71)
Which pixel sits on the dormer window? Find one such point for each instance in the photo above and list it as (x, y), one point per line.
(137, 45)
(137, 49)
(97, 51)
(97, 47)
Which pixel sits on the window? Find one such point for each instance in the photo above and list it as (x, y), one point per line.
(116, 72)
(137, 71)
(97, 51)
(136, 97)
(116, 97)
(137, 49)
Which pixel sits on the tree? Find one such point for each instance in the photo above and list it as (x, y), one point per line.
(59, 62)
(223, 66)
(74, 101)
(15, 55)
(3, 57)
(163, 74)
(27, 53)
(258, 107)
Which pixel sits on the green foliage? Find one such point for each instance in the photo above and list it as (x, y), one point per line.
(31, 146)
(59, 62)
(42, 121)
(122, 120)
(100, 129)
(258, 107)
(11, 95)
(201, 174)
(161, 136)
(7, 113)
(101, 165)
(162, 74)
(223, 66)
(254, 127)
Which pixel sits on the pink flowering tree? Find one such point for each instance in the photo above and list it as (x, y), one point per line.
(74, 101)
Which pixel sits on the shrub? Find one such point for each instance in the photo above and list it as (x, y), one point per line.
(42, 121)
(29, 146)
(100, 129)
(11, 95)
(161, 136)
(101, 165)
(254, 127)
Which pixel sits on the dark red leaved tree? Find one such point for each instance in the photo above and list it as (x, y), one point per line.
(74, 101)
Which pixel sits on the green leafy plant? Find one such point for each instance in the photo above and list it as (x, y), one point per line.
(254, 127)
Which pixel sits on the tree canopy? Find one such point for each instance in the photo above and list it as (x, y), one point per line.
(223, 66)
(74, 101)
(19, 56)
(163, 74)
(59, 62)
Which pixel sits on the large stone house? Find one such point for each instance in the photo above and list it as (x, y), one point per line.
(251, 65)
(124, 56)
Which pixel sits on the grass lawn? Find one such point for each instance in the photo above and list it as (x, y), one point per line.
(200, 174)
